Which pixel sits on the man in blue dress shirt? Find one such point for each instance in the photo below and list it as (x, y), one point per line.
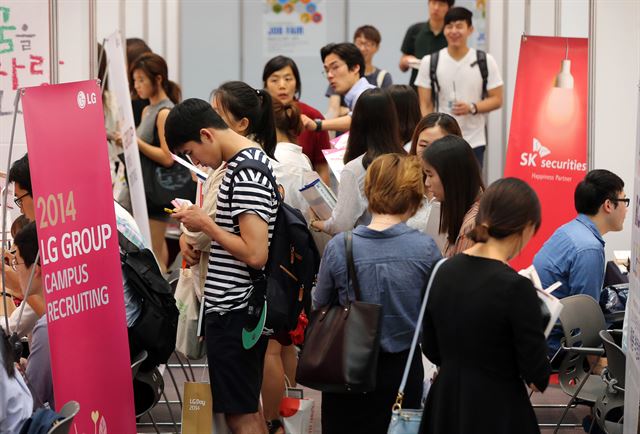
(574, 254)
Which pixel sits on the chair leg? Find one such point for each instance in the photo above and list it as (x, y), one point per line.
(175, 385)
(184, 371)
(153, 422)
(573, 397)
(173, 419)
(193, 375)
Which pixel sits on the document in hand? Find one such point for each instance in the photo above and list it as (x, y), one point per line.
(320, 198)
(202, 176)
(335, 161)
(550, 305)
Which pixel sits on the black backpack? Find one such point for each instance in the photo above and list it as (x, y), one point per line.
(292, 266)
(481, 60)
(156, 328)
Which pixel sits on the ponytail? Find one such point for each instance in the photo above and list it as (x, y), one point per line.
(240, 100)
(265, 130)
(173, 91)
(287, 119)
(480, 233)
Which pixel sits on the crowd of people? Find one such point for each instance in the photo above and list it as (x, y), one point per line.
(411, 193)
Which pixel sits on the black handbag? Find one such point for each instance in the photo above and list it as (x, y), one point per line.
(342, 342)
(163, 184)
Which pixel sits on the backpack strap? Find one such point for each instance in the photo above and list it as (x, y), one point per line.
(435, 85)
(481, 60)
(351, 267)
(380, 77)
(125, 244)
(250, 163)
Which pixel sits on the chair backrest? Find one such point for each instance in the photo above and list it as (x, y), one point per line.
(616, 359)
(69, 411)
(147, 389)
(581, 319)
(137, 361)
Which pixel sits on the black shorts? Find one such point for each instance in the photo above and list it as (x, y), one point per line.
(235, 373)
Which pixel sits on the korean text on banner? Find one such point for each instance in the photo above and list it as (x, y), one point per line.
(548, 135)
(119, 86)
(78, 240)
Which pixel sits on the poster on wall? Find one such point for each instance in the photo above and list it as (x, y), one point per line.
(478, 38)
(24, 59)
(79, 256)
(119, 87)
(632, 325)
(547, 145)
(293, 27)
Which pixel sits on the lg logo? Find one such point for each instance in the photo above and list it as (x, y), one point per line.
(84, 99)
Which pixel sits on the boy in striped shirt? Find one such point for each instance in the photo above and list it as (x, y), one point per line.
(240, 234)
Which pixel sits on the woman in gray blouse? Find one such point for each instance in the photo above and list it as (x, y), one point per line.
(393, 263)
(150, 80)
(374, 131)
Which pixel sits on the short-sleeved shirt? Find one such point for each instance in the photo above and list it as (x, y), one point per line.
(461, 80)
(228, 284)
(313, 142)
(420, 41)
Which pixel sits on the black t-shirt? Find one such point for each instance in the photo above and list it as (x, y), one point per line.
(420, 41)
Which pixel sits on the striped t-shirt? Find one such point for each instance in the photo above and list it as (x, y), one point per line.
(228, 285)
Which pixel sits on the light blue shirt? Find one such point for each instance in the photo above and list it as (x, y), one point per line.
(16, 403)
(573, 256)
(351, 97)
(393, 267)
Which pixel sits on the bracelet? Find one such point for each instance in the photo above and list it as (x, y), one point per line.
(318, 125)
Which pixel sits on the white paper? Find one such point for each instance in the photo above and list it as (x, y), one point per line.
(335, 161)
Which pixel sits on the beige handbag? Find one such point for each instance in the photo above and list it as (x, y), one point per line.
(187, 340)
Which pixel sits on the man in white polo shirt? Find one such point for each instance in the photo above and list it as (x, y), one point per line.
(467, 82)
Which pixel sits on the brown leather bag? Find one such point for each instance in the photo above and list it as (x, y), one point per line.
(342, 343)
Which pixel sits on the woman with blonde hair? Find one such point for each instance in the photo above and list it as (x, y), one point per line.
(392, 263)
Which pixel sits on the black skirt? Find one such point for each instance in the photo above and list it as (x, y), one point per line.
(370, 413)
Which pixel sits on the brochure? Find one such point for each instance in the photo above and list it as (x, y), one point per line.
(199, 173)
(550, 305)
(335, 161)
(320, 198)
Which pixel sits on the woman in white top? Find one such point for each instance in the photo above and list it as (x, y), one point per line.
(374, 132)
(432, 127)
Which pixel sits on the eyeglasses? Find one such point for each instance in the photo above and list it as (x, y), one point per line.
(15, 263)
(18, 200)
(365, 44)
(332, 69)
(626, 201)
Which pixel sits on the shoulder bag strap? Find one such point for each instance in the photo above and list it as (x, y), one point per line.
(435, 85)
(416, 333)
(351, 268)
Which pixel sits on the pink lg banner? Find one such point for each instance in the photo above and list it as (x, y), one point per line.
(79, 255)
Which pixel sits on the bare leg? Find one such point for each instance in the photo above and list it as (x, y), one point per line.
(290, 362)
(272, 381)
(250, 423)
(159, 243)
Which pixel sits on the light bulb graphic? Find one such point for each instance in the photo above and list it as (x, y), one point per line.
(564, 79)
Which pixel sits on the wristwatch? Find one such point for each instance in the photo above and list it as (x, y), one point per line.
(473, 109)
(318, 124)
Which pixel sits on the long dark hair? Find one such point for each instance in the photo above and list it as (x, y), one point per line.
(447, 123)
(457, 167)
(243, 101)
(506, 208)
(276, 64)
(407, 108)
(374, 128)
(7, 353)
(287, 119)
(153, 66)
